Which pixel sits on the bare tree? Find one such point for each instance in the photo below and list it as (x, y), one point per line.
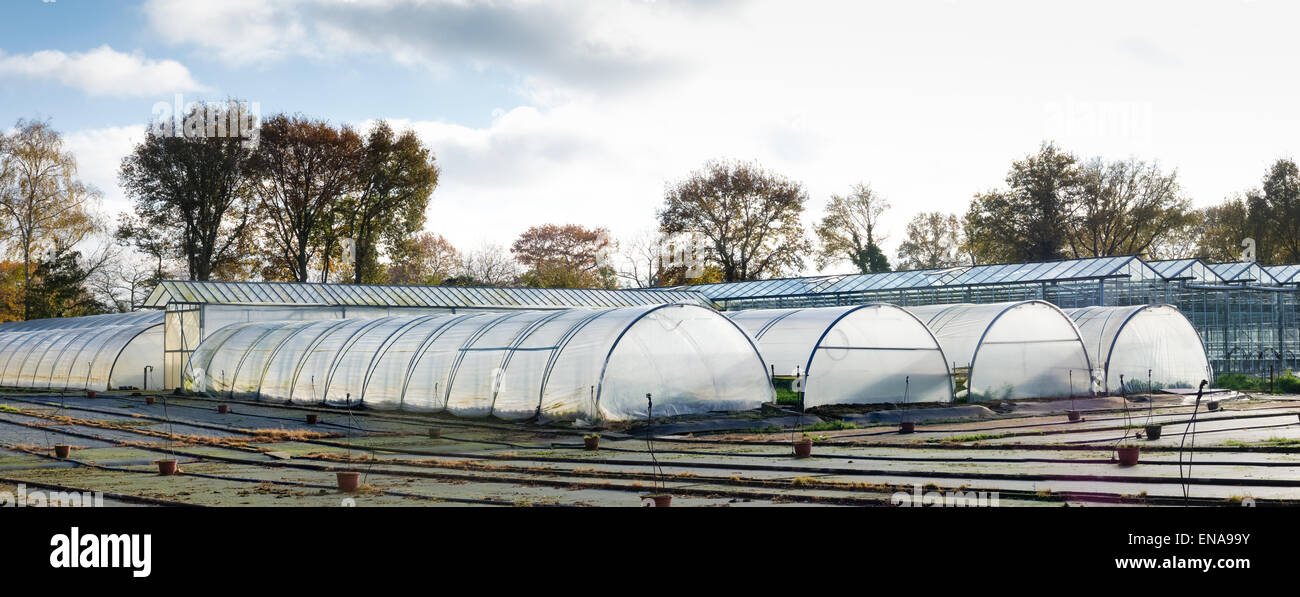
(488, 265)
(848, 231)
(933, 241)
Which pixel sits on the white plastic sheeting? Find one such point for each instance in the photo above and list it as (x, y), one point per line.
(99, 352)
(559, 364)
(1028, 349)
(852, 355)
(1151, 346)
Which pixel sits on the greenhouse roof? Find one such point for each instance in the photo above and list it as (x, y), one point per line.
(1284, 274)
(979, 275)
(1186, 269)
(1242, 271)
(293, 293)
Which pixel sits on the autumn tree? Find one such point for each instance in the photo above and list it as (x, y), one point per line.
(933, 241)
(652, 259)
(395, 177)
(301, 170)
(565, 256)
(848, 231)
(190, 196)
(1029, 219)
(1124, 208)
(46, 209)
(1280, 194)
(749, 218)
(487, 265)
(426, 258)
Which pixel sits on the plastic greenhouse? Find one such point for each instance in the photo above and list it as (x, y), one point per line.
(852, 355)
(556, 364)
(1028, 349)
(99, 352)
(1151, 346)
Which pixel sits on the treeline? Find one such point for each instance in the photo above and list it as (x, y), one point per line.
(305, 200)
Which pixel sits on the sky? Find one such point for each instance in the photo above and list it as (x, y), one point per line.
(561, 111)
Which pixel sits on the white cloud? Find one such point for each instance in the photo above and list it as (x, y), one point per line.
(102, 71)
(99, 154)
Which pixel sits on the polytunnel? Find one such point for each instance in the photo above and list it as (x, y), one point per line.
(858, 354)
(99, 352)
(558, 364)
(1150, 346)
(1026, 349)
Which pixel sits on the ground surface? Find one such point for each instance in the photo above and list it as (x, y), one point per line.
(264, 454)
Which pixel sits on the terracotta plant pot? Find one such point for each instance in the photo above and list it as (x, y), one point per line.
(223, 409)
(591, 443)
(1074, 415)
(349, 481)
(149, 400)
(1128, 455)
(91, 393)
(313, 419)
(62, 450)
(167, 467)
(803, 448)
(907, 427)
(1212, 405)
(1153, 431)
(435, 432)
(657, 500)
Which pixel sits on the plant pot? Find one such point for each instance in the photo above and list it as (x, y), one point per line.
(591, 443)
(803, 448)
(907, 427)
(62, 450)
(149, 400)
(1153, 431)
(657, 501)
(91, 393)
(1074, 415)
(349, 481)
(167, 467)
(435, 432)
(1128, 455)
(313, 419)
(223, 409)
(1212, 405)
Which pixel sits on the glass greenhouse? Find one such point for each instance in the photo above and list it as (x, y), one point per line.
(851, 355)
(99, 352)
(1026, 349)
(1149, 346)
(554, 364)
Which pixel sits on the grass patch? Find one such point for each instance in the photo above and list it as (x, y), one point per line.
(832, 425)
(786, 396)
(972, 437)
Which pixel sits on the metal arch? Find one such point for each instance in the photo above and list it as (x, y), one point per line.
(49, 380)
(418, 354)
(937, 347)
(388, 344)
(36, 336)
(266, 367)
(347, 345)
(1111, 351)
(520, 338)
(559, 348)
(775, 320)
(230, 393)
(601, 381)
(77, 357)
(460, 354)
(302, 360)
(108, 380)
(229, 330)
(58, 334)
(980, 344)
(15, 340)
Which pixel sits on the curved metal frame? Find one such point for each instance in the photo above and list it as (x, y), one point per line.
(970, 385)
(937, 347)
